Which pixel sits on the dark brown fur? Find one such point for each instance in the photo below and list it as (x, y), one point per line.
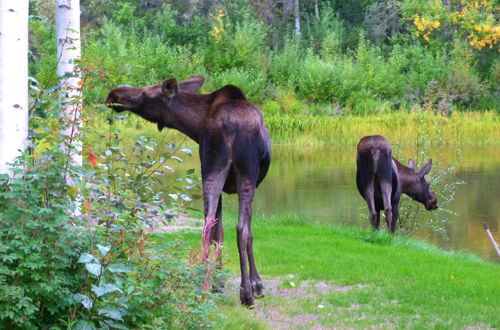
(235, 153)
(381, 179)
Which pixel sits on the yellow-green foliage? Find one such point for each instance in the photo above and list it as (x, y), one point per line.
(459, 128)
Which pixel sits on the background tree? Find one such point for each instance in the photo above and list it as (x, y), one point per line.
(13, 79)
(68, 50)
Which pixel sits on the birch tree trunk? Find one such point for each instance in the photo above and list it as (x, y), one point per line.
(13, 80)
(296, 12)
(68, 50)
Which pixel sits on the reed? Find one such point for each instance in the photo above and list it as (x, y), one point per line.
(467, 128)
(461, 129)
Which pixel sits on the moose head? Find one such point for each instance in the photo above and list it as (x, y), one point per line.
(416, 185)
(157, 103)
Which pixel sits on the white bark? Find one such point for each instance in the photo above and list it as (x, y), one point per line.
(297, 17)
(13, 80)
(68, 50)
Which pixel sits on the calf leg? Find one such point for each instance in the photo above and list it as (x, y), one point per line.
(369, 194)
(395, 215)
(386, 189)
(246, 192)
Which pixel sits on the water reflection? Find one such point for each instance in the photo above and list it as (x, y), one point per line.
(318, 184)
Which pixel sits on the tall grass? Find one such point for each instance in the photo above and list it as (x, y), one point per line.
(458, 129)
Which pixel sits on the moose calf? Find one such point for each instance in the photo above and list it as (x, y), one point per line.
(381, 179)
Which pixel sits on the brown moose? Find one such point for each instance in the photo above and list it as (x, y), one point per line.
(234, 148)
(381, 179)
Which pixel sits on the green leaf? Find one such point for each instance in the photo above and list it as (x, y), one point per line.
(105, 288)
(94, 269)
(87, 302)
(86, 257)
(186, 198)
(85, 325)
(114, 325)
(104, 249)
(112, 312)
(119, 268)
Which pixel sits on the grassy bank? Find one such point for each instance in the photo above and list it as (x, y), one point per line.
(471, 128)
(346, 277)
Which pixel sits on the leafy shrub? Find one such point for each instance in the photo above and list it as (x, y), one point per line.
(253, 85)
(100, 269)
(286, 65)
(133, 281)
(40, 243)
(235, 45)
(412, 216)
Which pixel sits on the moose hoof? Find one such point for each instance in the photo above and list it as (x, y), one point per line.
(246, 300)
(257, 290)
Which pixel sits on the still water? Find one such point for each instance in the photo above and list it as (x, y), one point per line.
(318, 184)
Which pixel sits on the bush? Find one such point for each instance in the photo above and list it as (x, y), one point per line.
(100, 269)
(40, 242)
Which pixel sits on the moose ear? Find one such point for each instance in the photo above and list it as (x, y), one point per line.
(169, 89)
(411, 163)
(426, 169)
(192, 85)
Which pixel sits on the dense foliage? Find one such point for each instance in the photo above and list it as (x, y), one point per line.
(76, 246)
(350, 57)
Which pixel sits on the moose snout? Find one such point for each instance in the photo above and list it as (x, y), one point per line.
(113, 102)
(431, 204)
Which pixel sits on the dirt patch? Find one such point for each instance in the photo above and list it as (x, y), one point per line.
(276, 320)
(276, 316)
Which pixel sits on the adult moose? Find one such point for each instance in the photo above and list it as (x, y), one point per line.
(234, 148)
(381, 179)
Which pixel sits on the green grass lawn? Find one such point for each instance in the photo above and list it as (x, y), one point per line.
(341, 277)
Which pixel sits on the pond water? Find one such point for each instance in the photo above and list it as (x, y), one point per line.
(318, 184)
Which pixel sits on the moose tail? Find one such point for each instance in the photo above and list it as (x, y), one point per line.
(375, 157)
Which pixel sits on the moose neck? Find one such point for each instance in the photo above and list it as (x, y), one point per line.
(406, 177)
(187, 114)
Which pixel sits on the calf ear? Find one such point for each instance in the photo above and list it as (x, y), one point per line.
(426, 169)
(411, 163)
(169, 89)
(192, 85)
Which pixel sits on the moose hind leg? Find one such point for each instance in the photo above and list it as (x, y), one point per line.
(257, 287)
(246, 192)
(212, 189)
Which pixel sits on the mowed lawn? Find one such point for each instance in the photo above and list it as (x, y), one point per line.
(328, 276)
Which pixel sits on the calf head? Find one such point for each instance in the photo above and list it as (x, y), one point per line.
(418, 188)
(150, 102)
